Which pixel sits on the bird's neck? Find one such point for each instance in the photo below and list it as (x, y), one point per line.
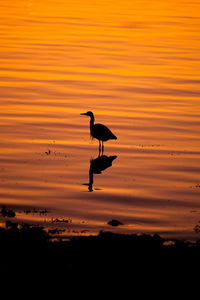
(91, 122)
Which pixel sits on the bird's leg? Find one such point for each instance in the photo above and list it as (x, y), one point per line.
(99, 147)
(102, 147)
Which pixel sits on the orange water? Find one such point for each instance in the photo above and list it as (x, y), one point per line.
(136, 65)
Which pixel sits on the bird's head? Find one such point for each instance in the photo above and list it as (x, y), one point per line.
(88, 113)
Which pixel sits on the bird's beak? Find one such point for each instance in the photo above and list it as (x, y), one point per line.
(83, 114)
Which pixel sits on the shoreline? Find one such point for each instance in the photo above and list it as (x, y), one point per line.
(32, 248)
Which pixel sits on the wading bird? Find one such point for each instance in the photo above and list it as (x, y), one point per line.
(99, 131)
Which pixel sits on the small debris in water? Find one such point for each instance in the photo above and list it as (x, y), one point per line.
(115, 223)
(7, 212)
(56, 231)
(48, 152)
(36, 211)
(57, 220)
(197, 228)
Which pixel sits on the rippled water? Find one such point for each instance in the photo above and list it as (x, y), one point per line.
(136, 65)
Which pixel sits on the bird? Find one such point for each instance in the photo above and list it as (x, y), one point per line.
(99, 131)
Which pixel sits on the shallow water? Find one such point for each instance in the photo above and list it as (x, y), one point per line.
(136, 66)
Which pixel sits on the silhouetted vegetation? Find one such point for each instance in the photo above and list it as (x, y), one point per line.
(26, 246)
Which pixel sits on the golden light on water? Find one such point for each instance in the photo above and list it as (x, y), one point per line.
(135, 64)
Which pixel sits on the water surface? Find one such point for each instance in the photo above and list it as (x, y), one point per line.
(136, 66)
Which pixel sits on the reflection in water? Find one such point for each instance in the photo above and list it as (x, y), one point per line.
(98, 165)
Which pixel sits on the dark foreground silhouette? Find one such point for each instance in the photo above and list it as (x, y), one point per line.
(25, 248)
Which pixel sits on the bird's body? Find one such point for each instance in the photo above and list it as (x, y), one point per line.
(102, 133)
(99, 131)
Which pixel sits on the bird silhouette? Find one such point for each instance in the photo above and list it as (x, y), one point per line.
(99, 131)
(98, 165)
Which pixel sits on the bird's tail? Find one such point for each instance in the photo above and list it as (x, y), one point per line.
(114, 137)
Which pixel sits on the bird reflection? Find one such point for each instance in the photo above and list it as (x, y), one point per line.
(98, 165)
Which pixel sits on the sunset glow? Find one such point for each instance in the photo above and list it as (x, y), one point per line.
(136, 65)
